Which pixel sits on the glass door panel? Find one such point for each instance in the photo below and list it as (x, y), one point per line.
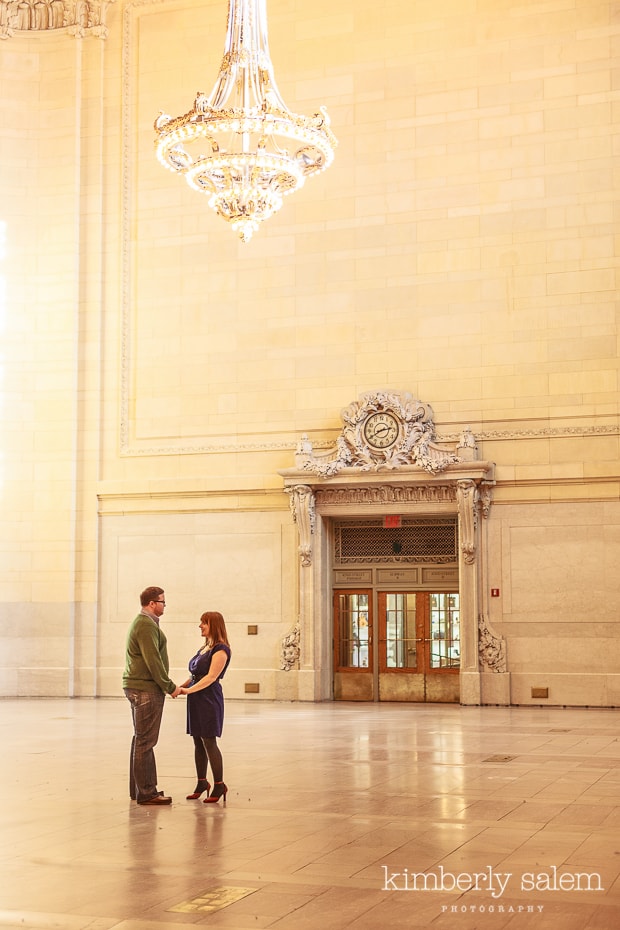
(353, 646)
(354, 634)
(418, 646)
(398, 647)
(444, 631)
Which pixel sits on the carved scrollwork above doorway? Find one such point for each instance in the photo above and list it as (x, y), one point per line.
(389, 433)
(385, 430)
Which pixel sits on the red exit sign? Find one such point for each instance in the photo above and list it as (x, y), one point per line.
(392, 521)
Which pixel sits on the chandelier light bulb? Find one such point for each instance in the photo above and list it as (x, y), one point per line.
(241, 145)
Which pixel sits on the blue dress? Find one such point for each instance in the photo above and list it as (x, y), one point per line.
(205, 709)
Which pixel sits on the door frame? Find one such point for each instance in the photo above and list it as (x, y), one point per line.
(378, 682)
(464, 489)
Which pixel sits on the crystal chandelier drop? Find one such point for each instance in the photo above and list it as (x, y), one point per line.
(248, 149)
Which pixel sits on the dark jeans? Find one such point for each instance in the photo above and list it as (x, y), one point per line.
(146, 710)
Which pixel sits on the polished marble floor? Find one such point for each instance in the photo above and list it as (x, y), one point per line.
(358, 816)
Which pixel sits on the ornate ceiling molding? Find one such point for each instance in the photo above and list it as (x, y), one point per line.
(78, 17)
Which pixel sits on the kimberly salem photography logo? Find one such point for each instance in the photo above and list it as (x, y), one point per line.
(488, 880)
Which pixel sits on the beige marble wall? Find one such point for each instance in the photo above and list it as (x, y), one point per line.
(158, 373)
(242, 564)
(558, 599)
(50, 313)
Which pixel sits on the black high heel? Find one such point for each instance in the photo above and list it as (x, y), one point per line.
(201, 786)
(219, 791)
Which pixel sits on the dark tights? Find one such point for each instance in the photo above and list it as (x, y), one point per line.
(207, 750)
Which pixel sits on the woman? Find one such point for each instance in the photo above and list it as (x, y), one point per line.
(205, 705)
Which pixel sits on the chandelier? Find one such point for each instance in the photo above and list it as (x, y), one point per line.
(240, 145)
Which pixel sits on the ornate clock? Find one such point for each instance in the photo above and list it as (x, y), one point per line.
(381, 430)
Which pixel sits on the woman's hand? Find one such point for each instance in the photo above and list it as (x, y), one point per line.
(183, 690)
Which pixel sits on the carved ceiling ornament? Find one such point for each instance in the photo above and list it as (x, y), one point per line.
(78, 17)
(383, 430)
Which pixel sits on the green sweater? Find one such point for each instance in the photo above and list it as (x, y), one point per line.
(146, 664)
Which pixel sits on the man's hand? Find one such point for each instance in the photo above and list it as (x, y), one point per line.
(176, 692)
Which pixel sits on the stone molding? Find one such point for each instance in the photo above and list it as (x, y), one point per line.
(388, 494)
(78, 17)
(219, 445)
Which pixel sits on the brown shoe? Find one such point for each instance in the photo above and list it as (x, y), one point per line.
(157, 799)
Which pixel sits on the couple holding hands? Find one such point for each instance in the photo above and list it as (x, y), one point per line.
(146, 682)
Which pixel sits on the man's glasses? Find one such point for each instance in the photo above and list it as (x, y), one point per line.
(161, 602)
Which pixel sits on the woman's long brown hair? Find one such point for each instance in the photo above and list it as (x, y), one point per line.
(217, 627)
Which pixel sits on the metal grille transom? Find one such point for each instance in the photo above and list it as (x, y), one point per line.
(416, 541)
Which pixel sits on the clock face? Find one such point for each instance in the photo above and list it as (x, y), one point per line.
(381, 430)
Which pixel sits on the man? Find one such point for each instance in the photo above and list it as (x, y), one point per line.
(146, 683)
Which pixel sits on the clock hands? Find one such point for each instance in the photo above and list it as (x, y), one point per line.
(381, 430)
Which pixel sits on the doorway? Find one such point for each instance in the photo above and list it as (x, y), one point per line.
(399, 645)
(404, 529)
